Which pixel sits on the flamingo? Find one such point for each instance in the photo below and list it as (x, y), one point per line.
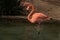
(36, 17)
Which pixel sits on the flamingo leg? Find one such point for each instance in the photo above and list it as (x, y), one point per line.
(38, 27)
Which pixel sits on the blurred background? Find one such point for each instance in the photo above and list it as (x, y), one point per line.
(49, 7)
(22, 29)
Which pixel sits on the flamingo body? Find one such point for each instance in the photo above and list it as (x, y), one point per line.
(39, 17)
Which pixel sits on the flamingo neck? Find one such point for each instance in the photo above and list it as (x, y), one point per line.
(30, 14)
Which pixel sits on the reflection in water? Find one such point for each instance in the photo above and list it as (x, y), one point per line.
(14, 30)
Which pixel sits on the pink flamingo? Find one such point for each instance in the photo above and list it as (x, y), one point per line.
(36, 17)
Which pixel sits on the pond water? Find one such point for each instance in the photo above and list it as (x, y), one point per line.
(23, 30)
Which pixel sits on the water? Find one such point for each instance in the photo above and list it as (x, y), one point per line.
(21, 30)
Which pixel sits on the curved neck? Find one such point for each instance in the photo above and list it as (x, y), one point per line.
(32, 11)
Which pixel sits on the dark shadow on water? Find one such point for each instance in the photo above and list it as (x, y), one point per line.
(23, 30)
(50, 30)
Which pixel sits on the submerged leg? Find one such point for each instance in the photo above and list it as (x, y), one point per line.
(38, 28)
